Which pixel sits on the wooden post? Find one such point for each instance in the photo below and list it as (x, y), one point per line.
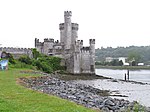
(128, 74)
(125, 78)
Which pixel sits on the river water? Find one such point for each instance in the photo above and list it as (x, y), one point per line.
(130, 90)
(135, 75)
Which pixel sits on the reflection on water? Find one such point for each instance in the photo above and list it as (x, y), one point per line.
(135, 75)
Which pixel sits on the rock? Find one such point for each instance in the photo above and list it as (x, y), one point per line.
(105, 109)
(81, 94)
(109, 102)
(111, 107)
(72, 97)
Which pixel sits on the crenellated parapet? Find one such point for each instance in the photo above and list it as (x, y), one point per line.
(67, 13)
(17, 52)
(85, 49)
(79, 42)
(92, 41)
(38, 43)
(14, 49)
(49, 40)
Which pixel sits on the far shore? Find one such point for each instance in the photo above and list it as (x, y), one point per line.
(123, 67)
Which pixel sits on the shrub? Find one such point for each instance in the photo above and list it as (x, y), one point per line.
(25, 59)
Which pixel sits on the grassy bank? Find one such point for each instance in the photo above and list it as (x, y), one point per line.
(124, 67)
(16, 98)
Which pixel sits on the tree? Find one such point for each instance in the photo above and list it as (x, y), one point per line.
(36, 54)
(25, 59)
(133, 58)
(120, 63)
(114, 62)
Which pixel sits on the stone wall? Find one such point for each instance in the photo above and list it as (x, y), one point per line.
(17, 52)
(85, 61)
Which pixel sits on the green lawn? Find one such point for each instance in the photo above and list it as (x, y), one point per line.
(16, 98)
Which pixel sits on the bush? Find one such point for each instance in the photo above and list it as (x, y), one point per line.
(41, 62)
(25, 59)
(47, 64)
(19, 64)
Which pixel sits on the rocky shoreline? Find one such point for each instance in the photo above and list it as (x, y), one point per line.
(81, 94)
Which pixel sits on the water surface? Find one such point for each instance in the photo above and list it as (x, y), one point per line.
(135, 75)
(132, 91)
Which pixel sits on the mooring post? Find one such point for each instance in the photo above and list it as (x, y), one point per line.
(125, 78)
(128, 74)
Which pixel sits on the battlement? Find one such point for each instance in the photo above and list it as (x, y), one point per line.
(49, 40)
(17, 52)
(36, 40)
(67, 13)
(75, 26)
(57, 42)
(85, 49)
(79, 42)
(14, 49)
(92, 41)
(37, 43)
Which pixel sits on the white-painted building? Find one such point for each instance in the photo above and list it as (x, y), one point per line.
(140, 64)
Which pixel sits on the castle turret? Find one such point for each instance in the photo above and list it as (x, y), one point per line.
(48, 44)
(92, 55)
(67, 29)
(38, 45)
(75, 28)
(62, 36)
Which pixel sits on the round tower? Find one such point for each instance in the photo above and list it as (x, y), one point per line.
(92, 56)
(67, 29)
(62, 37)
(75, 28)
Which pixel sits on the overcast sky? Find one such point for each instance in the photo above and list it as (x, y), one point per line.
(111, 22)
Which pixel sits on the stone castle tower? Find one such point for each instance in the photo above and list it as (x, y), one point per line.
(77, 58)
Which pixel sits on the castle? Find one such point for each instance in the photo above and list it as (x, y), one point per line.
(77, 58)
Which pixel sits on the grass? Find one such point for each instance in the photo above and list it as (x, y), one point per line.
(16, 98)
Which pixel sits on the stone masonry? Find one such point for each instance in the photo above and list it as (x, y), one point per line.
(77, 58)
(17, 52)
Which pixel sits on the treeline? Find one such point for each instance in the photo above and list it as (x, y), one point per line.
(140, 52)
(112, 63)
(39, 61)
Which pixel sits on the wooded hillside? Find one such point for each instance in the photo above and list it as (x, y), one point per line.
(141, 51)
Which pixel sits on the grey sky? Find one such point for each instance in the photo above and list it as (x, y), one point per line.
(111, 22)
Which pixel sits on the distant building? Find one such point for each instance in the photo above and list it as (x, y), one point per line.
(109, 59)
(140, 64)
(123, 59)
